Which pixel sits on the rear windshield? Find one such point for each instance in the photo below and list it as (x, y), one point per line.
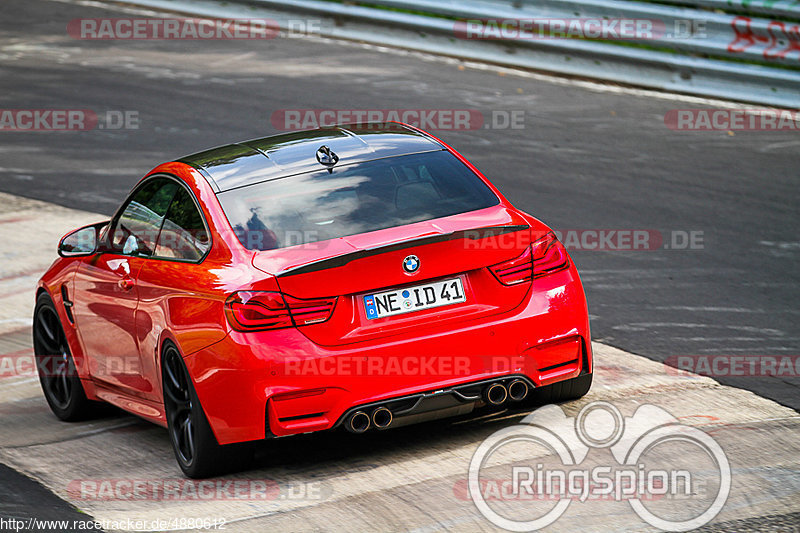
(353, 199)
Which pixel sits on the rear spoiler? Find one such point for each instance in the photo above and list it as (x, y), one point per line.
(471, 234)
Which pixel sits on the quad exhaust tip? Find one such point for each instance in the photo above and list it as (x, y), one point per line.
(359, 422)
(518, 390)
(496, 394)
(382, 418)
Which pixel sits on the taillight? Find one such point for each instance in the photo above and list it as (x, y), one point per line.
(310, 311)
(518, 270)
(260, 310)
(549, 256)
(541, 258)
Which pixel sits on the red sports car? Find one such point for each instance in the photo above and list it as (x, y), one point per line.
(364, 276)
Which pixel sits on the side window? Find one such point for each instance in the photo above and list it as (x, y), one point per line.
(136, 231)
(183, 234)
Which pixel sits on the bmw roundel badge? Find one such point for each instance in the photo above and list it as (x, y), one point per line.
(411, 264)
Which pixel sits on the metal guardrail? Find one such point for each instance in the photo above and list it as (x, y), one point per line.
(771, 8)
(714, 54)
(685, 30)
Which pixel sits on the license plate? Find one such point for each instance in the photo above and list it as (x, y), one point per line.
(410, 299)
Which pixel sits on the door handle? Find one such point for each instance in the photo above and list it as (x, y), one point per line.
(126, 284)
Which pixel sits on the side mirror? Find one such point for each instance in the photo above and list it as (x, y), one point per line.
(81, 242)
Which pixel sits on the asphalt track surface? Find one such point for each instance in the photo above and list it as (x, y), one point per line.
(586, 159)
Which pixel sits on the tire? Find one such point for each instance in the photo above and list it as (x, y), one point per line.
(563, 391)
(197, 451)
(61, 385)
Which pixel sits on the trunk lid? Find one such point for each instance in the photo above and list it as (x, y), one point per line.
(459, 246)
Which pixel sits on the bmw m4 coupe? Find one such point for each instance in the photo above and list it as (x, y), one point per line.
(361, 277)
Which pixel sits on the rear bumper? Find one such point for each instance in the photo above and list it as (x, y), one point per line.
(433, 404)
(275, 383)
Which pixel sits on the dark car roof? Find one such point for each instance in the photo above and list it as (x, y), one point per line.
(245, 163)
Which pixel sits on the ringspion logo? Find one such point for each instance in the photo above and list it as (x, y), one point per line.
(674, 477)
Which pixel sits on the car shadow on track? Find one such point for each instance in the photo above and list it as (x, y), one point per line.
(333, 452)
